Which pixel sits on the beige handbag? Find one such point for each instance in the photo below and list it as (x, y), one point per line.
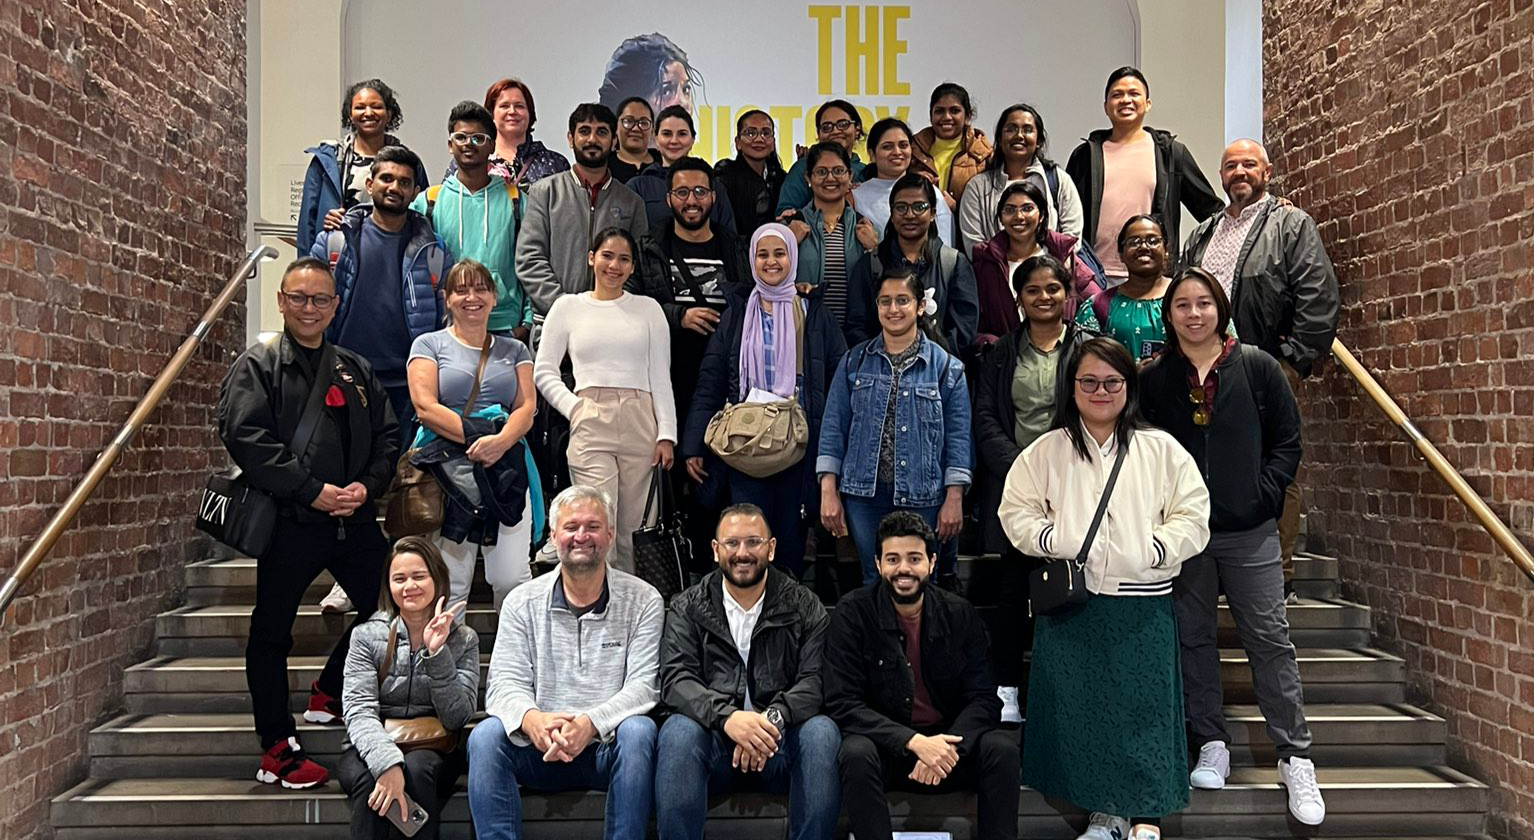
(759, 439)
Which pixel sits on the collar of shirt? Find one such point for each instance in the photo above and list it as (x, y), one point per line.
(592, 189)
(1247, 212)
(1211, 383)
(558, 600)
(741, 620)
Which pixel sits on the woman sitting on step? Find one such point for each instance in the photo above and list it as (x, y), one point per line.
(412, 681)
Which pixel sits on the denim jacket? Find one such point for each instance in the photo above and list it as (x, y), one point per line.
(932, 424)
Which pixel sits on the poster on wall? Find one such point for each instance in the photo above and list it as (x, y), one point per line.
(722, 59)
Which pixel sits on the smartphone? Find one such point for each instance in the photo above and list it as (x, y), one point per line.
(417, 814)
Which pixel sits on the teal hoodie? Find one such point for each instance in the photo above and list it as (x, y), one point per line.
(482, 226)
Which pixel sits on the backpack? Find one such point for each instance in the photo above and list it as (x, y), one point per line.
(512, 193)
(1084, 253)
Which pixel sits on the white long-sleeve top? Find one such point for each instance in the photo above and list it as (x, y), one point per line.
(1157, 518)
(622, 343)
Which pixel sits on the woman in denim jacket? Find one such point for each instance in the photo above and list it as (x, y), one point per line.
(896, 431)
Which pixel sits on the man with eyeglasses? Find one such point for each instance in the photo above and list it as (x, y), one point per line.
(754, 178)
(740, 676)
(309, 424)
(633, 153)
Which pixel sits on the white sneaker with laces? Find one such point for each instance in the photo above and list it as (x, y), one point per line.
(336, 601)
(1145, 832)
(1298, 775)
(1105, 827)
(1011, 712)
(1213, 767)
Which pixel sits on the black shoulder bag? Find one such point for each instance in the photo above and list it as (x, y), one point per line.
(241, 516)
(1061, 585)
(660, 549)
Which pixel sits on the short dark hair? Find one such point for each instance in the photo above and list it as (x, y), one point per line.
(623, 106)
(812, 157)
(883, 127)
(503, 85)
(997, 159)
(613, 230)
(427, 550)
(740, 121)
(906, 523)
(912, 181)
(1125, 72)
(1034, 263)
(843, 105)
(1068, 416)
(1035, 195)
(593, 112)
(958, 92)
(675, 112)
(1139, 217)
(743, 509)
(307, 264)
(400, 155)
(1216, 291)
(689, 164)
(386, 93)
(470, 111)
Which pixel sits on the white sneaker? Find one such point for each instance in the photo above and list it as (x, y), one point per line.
(1011, 712)
(1292, 599)
(1105, 827)
(1305, 802)
(1145, 832)
(1213, 767)
(336, 601)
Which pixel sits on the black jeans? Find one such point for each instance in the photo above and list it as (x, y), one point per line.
(430, 778)
(990, 768)
(297, 555)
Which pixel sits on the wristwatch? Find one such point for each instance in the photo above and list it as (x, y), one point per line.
(774, 717)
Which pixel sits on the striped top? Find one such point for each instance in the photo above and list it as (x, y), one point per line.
(834, 274)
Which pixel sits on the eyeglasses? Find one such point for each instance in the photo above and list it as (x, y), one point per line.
(1143, 242)
(754, 133)
(900, 301)
(732, 545)
(1010, 210)
(681, 193)
(1201, 413)
(1111, 385)
(298, 299)
(632, 123)
(910, 208)
(465, 139)
(840, 125)
(1016, 130)
(833, 172)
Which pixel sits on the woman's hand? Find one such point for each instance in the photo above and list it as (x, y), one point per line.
(441, 626)
(665, 454)
(867, 236)
(831, 514)
(695, 469)
(489, 448)
(800, 230)
(950, 517)
(389, 788)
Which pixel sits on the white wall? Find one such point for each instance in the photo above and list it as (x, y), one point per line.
(1243, 70)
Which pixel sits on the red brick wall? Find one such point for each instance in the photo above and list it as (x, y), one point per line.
(1407, 130)
(122, 208)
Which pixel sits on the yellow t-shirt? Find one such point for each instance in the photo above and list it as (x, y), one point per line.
(943, 152)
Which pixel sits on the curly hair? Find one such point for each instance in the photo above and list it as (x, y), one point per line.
(386, 93)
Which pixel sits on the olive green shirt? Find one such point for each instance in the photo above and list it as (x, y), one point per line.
(1033, 391)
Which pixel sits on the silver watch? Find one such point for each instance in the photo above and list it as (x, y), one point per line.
(775, 717)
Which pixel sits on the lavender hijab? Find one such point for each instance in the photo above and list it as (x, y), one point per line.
(753, 362)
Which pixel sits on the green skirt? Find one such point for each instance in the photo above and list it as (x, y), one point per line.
(1105, 720)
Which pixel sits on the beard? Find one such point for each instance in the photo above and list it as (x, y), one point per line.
(754, 576)
(584, 562)
(686, 225)
(921, 589)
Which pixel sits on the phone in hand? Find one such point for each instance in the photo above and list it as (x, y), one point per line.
(417, 817)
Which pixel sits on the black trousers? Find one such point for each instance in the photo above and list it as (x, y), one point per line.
(430, 778)
(990, 768)
(298, 553)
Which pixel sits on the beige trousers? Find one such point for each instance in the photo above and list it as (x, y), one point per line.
(612, 445)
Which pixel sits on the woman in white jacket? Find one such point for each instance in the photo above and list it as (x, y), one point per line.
(1105, 718)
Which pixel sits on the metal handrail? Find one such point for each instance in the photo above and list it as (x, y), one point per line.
(1489, 520)
(146, 406)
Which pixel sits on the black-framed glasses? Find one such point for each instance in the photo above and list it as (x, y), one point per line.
(831, 172)
(910, 208)
(297, 300)
(755, 133)
(682, 193)
(1111, 385)
(632, 123)
(839, 125)
(464, 138)
(1152, 241)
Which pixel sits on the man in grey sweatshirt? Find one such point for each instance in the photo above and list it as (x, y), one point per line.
(564, 211)
(574, 670)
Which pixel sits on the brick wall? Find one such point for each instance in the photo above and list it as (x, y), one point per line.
(122, 208)
(1407, 130)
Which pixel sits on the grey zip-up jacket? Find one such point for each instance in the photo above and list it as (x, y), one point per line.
(556, 234)
(445, 686)
(604, 664)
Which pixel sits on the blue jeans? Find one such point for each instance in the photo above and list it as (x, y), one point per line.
(863, 515)
(694, 762)
(624, 767)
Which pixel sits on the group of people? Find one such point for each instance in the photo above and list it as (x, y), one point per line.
(958, 311)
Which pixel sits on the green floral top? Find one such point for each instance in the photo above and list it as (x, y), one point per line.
(1136, 324)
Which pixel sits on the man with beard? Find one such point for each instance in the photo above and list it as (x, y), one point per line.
(1282, 288)
(564, 211)
(740, 674)
(908, 680)
(571, 678)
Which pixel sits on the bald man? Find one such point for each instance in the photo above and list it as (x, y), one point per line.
(1282, 288)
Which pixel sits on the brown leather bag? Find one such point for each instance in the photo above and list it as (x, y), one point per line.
(416, 502)
(420, 733)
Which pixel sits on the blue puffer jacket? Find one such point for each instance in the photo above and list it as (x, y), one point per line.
(425, 263)
(322, 184)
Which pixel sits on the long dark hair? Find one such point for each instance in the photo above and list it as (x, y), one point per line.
(636, 66)
(1035, 195)
(427, 550)
(924, 322)
(998, 160)
(1068, 416)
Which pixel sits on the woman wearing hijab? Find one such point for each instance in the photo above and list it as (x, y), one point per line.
(773, 344)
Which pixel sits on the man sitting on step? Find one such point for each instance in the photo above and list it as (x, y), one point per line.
(573, 672)
(309, 424)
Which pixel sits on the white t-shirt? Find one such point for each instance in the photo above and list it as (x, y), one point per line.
(742, 624)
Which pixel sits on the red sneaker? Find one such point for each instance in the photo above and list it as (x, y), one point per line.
(286, 764)
(322, 707)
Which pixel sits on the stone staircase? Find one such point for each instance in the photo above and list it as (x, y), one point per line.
(180, 761)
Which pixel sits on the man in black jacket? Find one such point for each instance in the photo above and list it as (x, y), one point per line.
(325, 490)
(908, 680)
(740, 673)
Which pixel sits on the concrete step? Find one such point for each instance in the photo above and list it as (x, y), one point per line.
(224, 744)
(169, 685)
(220, 629)
(1397, 802)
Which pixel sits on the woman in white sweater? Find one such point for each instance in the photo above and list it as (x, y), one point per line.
(1105, 719)
(622, 414)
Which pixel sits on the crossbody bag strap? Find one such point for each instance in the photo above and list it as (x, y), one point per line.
(388, 659)
(309, 421)
(479, 375)
(691, 280)
(1102, 507)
